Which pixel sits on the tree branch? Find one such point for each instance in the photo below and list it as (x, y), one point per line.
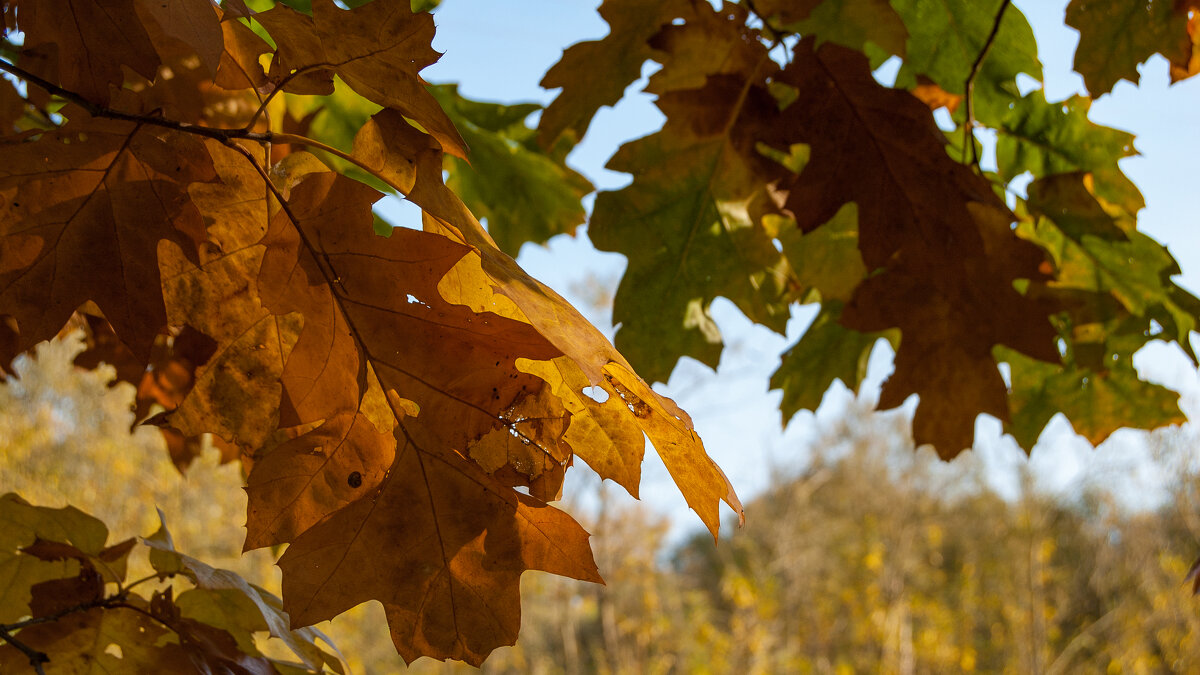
(222, 135)
(969, 87)
(36, 658)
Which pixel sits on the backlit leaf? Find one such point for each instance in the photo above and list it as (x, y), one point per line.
(85, 51)
(689, 228)
(1053, 138)
(932, 214)
(826, 352)
(945, 38)
(524, 193)
(97, 197)
(377, 49)
(595, 73)
(1115, 36)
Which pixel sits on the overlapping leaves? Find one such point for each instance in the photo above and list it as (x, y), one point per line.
(407, 405)
(388, 394)
(68, 600)
(933, 251)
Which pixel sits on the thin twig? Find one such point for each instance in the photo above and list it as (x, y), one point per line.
(227, 137)
(36, 658)
(262, 106)
(222, 135)
(969, 88)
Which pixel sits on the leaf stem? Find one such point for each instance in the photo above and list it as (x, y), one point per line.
(262, 106)
(969, 87)
(138, 582)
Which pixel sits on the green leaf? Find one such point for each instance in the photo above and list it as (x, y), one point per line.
(826, 352)
(1051, 138)
(827, 258)
(525, 193)
(335, 119)
(1096, 402)
(1116, 35)
(65, 539)
(595, 73)
(945, 38)
(690, 227)
(853, 23)
(1135, 269)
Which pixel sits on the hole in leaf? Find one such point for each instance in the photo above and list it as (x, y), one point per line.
(355, 479)
(597, 394)
(114, 650)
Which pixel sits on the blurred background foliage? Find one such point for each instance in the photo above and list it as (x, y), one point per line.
(872, 558)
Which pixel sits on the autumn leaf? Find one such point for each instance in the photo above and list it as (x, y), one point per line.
(594, 74)
(1053, 138)
(411, 161)
(85, 54)
(945, 38)
(80, 642)
(84, 210)
(458, 399)
(217, 298)
(1183, 68)
(193, 186)
(239, 67)
(454, 595)
(1116, 36)
(193, 23)
(524, 193)
(932, 214)
(378, 49)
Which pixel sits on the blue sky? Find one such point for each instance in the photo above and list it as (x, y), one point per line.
(499, 51)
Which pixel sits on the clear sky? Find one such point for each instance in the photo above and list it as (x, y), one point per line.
(499, 51)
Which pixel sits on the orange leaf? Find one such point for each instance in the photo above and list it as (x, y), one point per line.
(442, 546)
(83, 45)
(412, 162)
(84, 209)
(378, 49)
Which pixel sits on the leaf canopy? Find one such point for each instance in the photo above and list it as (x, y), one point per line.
(193, 184)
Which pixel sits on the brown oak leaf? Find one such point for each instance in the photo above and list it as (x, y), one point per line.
(82, 212)
(935, 229)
